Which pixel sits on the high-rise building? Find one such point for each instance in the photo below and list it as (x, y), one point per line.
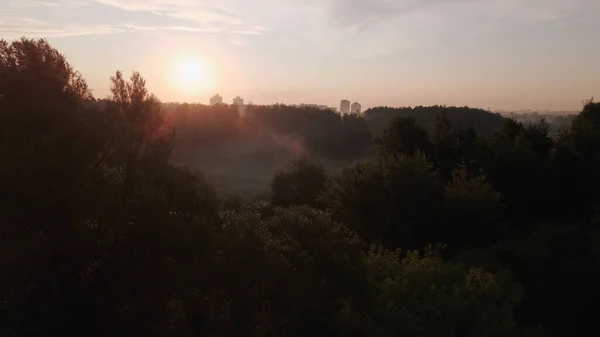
(238, 101)
(355, 108)
(240, 104)
(216, 99)
(345, 107)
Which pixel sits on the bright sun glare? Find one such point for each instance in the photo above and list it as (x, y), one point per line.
(191, 75)
(190, 72)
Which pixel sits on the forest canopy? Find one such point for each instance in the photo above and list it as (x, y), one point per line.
(424, 221)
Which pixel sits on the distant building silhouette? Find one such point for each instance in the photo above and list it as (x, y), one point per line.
(240, 104)
(355, 108)
(216, 99)
(345, 107)
(238, 101)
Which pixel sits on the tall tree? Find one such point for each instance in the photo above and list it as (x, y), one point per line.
(394, 200)
(301, 183)
(403, 136)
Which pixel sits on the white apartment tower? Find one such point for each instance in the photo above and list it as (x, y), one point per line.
(345, 107)
(216, 99)
(240, 104)
(238, 101)
(355, 108)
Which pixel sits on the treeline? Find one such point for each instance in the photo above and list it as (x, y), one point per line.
(444, 231)
(323, 132)
(556, 122)
(481, 121)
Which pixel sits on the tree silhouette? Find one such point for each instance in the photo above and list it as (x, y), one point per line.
(102, 234)
(301, 183)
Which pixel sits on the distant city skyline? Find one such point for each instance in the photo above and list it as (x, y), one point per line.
(218, 99)
(503, 54)
(346, 106)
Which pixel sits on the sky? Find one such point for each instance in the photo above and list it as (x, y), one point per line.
(497, 54)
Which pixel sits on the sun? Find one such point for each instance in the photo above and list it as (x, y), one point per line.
(190, 72)
(191, 75)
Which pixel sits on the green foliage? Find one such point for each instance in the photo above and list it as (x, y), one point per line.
(401, 202)
(103, 235)
(403, 137)
(320, 132)
(96, 224)
(483, 122)
(275, 271)
(423, 295)
(231, 202)
(472, 212)
(446, 147)
(44, 144)
(519, 164)
(300, 183)
(324, 132)
(394, 200)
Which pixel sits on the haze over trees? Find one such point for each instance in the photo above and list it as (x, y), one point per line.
(425, 221)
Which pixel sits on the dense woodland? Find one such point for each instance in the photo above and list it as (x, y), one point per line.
(443, 221)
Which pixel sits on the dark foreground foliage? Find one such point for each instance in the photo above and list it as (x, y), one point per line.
(102, 235)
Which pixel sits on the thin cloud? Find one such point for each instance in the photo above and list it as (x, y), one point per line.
(49, 4)
(236, 42)
(204, 17)
(16, 27)
(200, 12)
(145, 5)
(194, 29)
(252, 30)
(207, 16)
(247, 32)
(366, 14)
(138, 27)
(539, 11)
(356, 13)
(17, 19)
(13, 32)
(387, 27)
